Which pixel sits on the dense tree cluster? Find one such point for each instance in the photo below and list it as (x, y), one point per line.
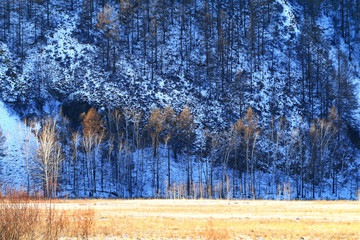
(283, 78)
(114, 152)
(223, 48)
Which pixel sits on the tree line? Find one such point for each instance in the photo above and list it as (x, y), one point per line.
(119, 152)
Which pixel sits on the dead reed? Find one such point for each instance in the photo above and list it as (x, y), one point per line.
(31, 217)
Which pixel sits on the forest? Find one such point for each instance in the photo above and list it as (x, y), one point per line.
(183, 98)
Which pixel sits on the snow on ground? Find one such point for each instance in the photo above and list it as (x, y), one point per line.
(76, 57)
(13, 165)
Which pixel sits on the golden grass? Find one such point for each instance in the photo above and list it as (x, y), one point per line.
(207, 219)
(25, 217)
(221, 219)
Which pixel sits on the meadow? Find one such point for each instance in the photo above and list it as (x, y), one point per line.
(188, 219)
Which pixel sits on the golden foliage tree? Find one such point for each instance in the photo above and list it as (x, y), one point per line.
(93, 134)
(92, 122)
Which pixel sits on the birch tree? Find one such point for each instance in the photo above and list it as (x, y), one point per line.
(49, 155)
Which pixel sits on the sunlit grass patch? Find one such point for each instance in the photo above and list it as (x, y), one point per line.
(198, 219)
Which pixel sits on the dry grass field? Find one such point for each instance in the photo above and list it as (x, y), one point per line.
(178, 219)
(219, 219)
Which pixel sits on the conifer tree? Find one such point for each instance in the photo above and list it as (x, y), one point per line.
(87, 15)
(107, 23)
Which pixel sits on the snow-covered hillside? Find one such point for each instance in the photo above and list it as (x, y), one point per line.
(289, 62)
(13, 164)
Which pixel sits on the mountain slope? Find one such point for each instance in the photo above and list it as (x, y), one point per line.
(290, 61)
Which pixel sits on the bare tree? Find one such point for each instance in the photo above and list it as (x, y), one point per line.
(93, 134)
(2, 145)
(215, 141)
(49, 155)
(107, 23)
(251, 133)
(187, 126)
(156, 125)
(27, 137)
(239, 128)
(171, 128)
(322, 132)
(75, 138)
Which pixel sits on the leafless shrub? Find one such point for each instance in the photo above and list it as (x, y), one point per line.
(19, 217)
